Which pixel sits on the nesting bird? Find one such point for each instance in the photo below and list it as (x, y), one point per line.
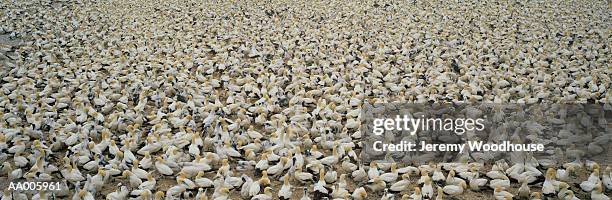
(261, 99)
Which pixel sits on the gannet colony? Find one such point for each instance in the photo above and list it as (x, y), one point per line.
(201, 99)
